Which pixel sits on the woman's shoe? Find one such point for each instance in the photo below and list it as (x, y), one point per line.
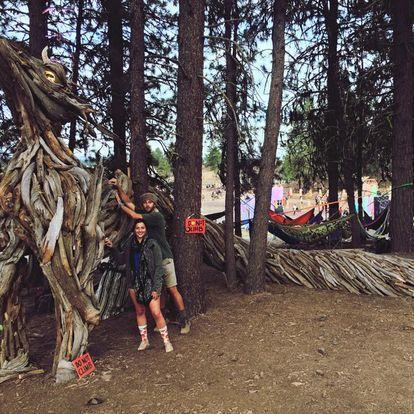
(143, 345)
(168, 347)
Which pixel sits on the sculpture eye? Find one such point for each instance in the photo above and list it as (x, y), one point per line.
(50, 76)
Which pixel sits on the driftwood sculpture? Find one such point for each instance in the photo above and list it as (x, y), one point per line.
(50, 207)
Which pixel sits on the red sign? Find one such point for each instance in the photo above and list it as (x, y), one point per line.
(83, 365)
(195, 226)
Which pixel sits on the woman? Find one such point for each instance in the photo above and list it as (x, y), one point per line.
(144, 273)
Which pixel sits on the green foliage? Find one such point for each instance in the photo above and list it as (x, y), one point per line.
(161, 163)
(297, 164)
(213, 158)
(304, 160)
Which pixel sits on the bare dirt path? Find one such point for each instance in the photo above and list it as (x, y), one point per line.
(289, 350)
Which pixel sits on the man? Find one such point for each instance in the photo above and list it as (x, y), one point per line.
(155, 223)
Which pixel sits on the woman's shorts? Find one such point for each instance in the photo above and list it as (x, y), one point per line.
(170, 278)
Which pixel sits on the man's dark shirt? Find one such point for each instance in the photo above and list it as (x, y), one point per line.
(155, 223)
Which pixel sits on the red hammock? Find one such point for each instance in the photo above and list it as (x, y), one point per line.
(282, 219)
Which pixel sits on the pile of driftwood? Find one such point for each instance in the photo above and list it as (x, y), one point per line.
(353, 270)
(356, 271)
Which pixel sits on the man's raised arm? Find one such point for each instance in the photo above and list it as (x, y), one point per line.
(122, 194)
(131, 213)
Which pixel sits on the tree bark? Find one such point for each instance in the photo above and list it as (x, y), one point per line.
(237, 194)
(255, 281)
(114, 10)
(350, 190)
(75, 68)
(187, 165)
(230, 133)
(237, 183)
(37, 27)
(359, 182)
(139, 153)
(332, 127)
(401, 220)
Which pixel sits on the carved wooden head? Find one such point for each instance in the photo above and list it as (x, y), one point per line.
(39, 88)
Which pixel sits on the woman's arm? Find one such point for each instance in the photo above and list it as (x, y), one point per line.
(118, 256)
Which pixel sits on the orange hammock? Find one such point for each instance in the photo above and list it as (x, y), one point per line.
(282, 219)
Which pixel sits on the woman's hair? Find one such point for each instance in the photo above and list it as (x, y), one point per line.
(140, 220)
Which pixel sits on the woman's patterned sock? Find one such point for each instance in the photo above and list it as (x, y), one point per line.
(143, 331)
(164, 334)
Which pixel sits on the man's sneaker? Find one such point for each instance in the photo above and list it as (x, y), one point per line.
(185, 329)
(168, 346)
(143, 345)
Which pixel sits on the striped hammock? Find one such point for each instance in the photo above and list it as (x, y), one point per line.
(309, 233)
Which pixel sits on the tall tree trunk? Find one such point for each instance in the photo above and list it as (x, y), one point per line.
(350, 190)
(37, 27)
(188, 248)
(359, 175)
(402, 146)
(230, 138)
(114, 10)
(331, 23)
(75, 68)
(237, 193)
(255, 281)
(237, 184)
(139, 153)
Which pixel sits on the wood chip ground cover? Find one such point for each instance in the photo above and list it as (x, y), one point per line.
(289, 350)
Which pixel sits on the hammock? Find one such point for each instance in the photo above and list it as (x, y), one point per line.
(215, 216)
(308, 233)
(379, 221)
(282, 219)
(379, 233)
(316, 219)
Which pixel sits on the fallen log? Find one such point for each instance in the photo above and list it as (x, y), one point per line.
(353, 270)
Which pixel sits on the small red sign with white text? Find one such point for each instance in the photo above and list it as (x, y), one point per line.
(83, 365)
(195, 226)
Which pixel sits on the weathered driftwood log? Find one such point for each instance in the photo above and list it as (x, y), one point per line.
(356, 271)
(14, 347)
(52, 203)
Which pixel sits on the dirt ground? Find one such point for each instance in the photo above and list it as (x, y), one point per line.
(289, 350)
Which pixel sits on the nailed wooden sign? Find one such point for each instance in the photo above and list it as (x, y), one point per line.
(83, 365)
(195, 226)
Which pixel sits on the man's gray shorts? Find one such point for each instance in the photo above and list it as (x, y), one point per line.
(170, 278)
